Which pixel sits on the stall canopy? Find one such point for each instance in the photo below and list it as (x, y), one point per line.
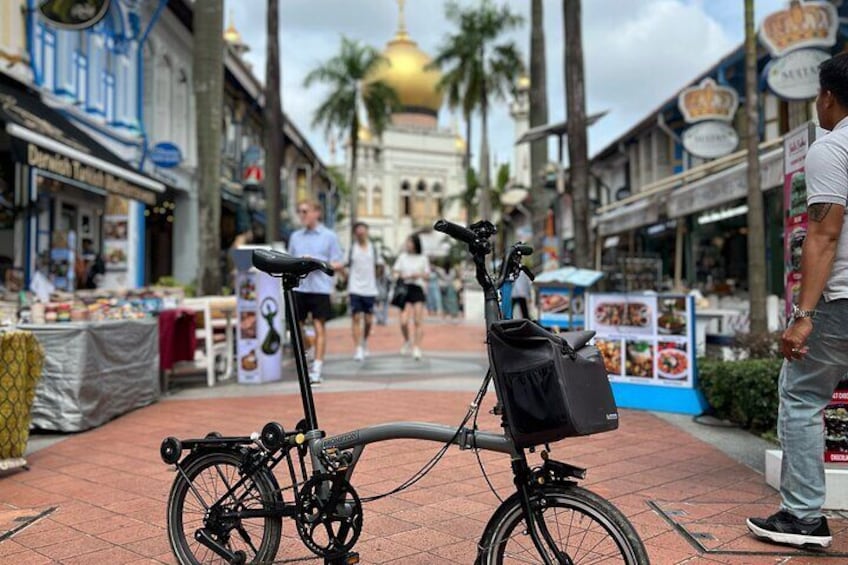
(45, 139)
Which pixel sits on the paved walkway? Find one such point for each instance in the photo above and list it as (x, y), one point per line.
(99, 497)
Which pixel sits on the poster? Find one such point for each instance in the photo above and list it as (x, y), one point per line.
(795, 147)
(259, 344)
(556, 305)
(63, 260)
(836, 426)
(645, 339)
(120, 242)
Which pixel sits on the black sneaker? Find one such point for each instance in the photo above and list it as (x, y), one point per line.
(785, 528)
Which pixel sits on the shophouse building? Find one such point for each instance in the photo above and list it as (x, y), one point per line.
(666, 218)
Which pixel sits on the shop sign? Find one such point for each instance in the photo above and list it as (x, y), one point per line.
(166, 155)
(73, 14)
(61, 165)
(801, 25)
(708, 101)
(709, 140)
(796, 75)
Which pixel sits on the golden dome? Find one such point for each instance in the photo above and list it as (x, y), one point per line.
(404, 70)
(232, 35)
(460, 144)
(364, 133)
(523, 82)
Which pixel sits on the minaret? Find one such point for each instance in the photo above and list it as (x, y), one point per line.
(520, 112)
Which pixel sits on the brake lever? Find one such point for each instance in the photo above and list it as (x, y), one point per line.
(526, 270)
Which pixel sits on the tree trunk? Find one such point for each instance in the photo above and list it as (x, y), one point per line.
(208, 82)
(539, 198)
(354, 189)
(578, 158)
(483, 196)
(756, 225)
(273, 126)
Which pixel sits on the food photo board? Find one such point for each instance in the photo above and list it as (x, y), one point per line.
(648, 346)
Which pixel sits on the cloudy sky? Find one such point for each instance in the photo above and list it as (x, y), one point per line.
(637, 52)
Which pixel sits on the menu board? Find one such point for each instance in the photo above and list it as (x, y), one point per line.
(645, 339)
(554, 303)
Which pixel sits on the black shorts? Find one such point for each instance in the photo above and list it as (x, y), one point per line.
(359, 303)
(414, 293)
(312, 303)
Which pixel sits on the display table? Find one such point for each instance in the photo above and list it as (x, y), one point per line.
(94, 371)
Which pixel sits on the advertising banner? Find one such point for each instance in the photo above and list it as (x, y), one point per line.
(259, 344)
(795, 146)
(645, 339)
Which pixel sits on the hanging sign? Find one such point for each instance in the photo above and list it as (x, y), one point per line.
(711, 108)
(709, 140)
(73, 14)
(801, 25)
(166, 155)
(795, 76)
(798, 38)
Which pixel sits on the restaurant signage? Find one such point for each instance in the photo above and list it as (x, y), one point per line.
(710, 140)
(61, 165)
(798, 39)
(73, 14)
(796, 75)
(711, 108)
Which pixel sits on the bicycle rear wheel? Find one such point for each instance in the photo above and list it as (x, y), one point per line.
(211, 476)
(586, 529)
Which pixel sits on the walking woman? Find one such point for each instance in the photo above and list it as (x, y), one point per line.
(412, 269)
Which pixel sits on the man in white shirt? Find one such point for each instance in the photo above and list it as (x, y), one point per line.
(362, 287)
(815, 345)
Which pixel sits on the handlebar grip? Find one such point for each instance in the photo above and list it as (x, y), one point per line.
(460, 233)
(524, 249)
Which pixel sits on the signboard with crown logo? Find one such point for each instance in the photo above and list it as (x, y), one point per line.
(711, 107)
(798, 38)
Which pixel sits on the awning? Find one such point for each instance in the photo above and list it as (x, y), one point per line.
(725, 186)
(557, 129)
(640, 213)
(44, 139)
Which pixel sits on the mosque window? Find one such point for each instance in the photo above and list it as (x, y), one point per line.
(377, 201)
(440, 205)
(406, 198)
(437, 187)
(362, 201)
(422, 186)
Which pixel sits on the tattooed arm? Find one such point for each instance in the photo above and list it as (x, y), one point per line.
(823, 230)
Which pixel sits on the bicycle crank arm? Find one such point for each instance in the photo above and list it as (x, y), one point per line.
(203, 537)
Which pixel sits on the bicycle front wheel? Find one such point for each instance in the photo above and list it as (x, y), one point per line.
(210, 476)
(585, 528)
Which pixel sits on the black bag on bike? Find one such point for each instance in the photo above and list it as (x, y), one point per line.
(549, 390)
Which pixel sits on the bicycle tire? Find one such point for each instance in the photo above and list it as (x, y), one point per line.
(259, 491)
(599, 526)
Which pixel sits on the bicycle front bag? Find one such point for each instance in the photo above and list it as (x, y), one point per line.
(550, 391)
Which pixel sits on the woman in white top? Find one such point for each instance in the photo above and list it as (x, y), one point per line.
(412, 268)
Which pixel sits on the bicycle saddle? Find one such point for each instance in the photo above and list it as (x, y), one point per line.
(276, 263)
(577, 339)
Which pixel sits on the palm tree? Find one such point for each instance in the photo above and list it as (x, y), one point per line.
(208, 80)
(347, 76)
(539, 198)
(273, 125)
(578, 158)
(756, 224)
(480, 65)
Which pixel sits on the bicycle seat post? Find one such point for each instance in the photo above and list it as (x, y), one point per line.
(290, 282)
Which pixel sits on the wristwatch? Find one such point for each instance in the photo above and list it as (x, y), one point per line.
(797, 313)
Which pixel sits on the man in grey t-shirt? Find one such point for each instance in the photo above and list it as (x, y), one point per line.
(815, 345)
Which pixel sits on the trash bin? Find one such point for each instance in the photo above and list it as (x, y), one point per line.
(21, 360)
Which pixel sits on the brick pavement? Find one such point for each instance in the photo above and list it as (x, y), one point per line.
(106, 489)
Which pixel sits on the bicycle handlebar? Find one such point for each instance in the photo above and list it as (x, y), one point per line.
(456, 231)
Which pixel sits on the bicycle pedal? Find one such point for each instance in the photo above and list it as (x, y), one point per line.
(351, 558)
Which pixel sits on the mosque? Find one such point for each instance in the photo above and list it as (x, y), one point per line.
(413, 174)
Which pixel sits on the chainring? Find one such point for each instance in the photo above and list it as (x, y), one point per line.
(329, 515)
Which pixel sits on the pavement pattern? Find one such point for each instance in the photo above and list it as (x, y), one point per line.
(99, 497)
